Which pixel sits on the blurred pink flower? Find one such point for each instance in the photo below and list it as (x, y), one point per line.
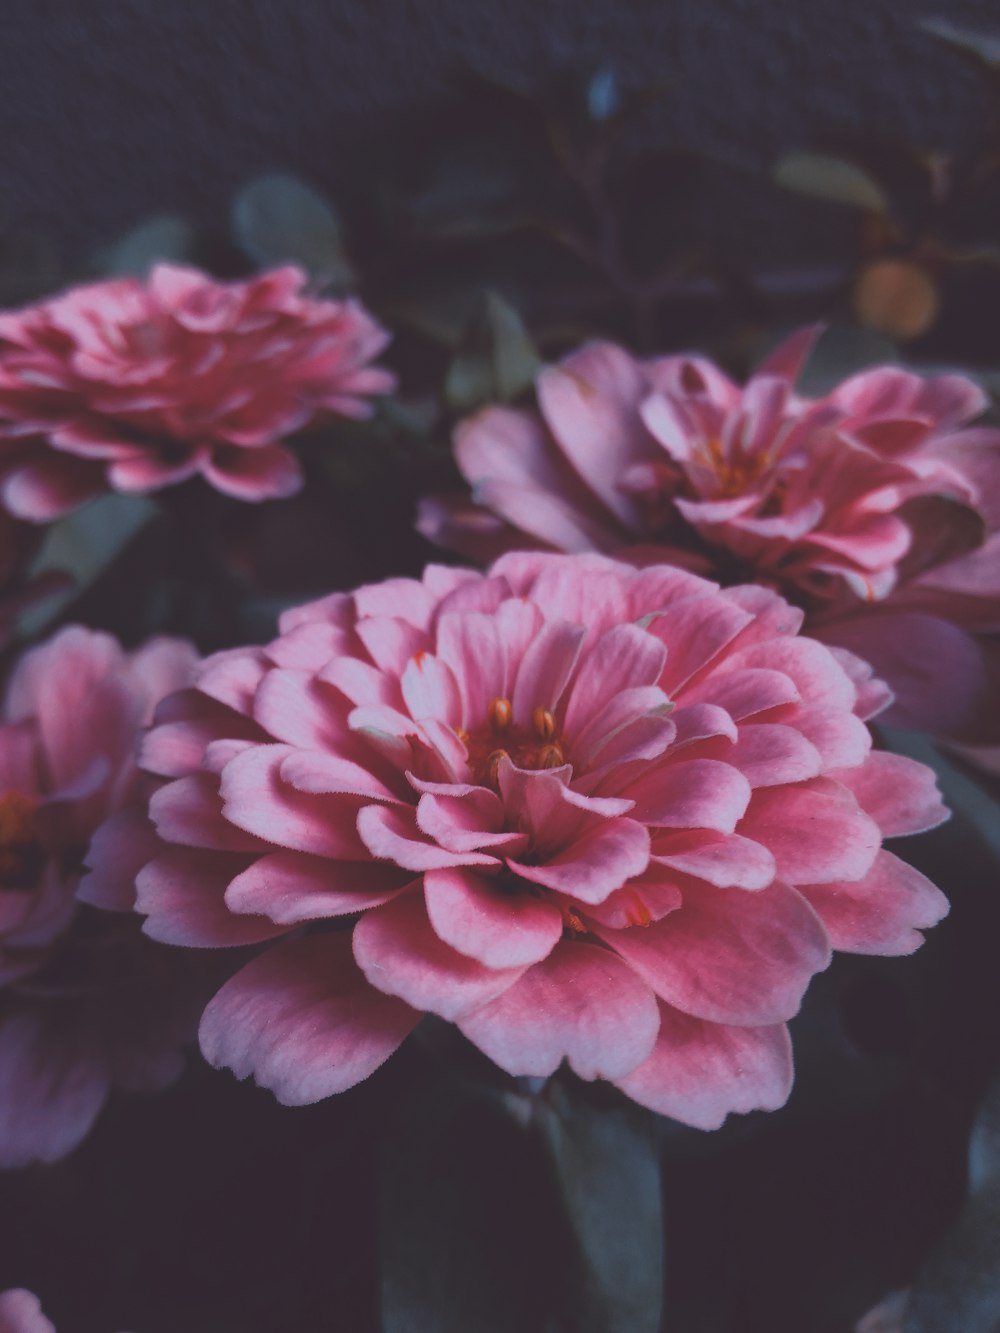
(876, 508)
(560, 805)
(133, 386)
(85, 1002)
(21, 1312)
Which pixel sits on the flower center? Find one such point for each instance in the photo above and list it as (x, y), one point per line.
(535, 745)
(733, 474)
(21, 853)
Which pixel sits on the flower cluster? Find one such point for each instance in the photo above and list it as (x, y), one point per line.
(85, 1002)
(873, 508)
(586, 812)
(133, 386)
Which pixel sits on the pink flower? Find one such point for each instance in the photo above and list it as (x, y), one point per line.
(583, 811)
(85, 1002)
(21, 1312)
(134, 386)
(874, 508)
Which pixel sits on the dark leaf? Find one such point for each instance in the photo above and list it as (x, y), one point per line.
(606, 1161)
(469, 1236)
(834, 178)
(167, 238)
(280, 219)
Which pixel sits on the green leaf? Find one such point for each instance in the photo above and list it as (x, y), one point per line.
(841, 351)
(826, 177)
(279, 219)
(606, 1160)
(469, 1233)
(167, 237)
(984, 46)
(959, 1286)
(498, 359)
(84, 544)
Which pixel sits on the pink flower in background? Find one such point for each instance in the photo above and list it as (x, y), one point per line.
(21, 1312)
(586, 812)
(873, 508)
(85, 1001)
(132, 386)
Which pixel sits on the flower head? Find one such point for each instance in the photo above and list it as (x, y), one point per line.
(134, 386)
(85, 1001)
(560, 805)
(871, 508)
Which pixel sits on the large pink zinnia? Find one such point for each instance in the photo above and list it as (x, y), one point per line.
(586, 812)
(133, 386)
(86, 1003)
(876, 508)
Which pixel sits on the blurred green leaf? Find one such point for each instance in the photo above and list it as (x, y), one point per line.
(826, 177)
(280, 219)
(843, 350)
(469, 1236)
(497, 361)
(84, 544)
(603, 94)
(959, 1286)
(607, 1166)
(166, 238)
(984, 45)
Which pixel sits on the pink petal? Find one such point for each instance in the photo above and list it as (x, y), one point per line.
(303, 1021)
(695, 630)
(182, 895)
(591, 404)
(700, 1072)
(21, 1312)
(581, 1005)
(430, 691)
(52, 486)
(257, 800)
(696, 793)
(466, 819)
(625, 657)
(489, 919)
(117, 852)
(400, 953)
(292, 706)
(882, 913)
(729, 956)
(817, 832)
(728, 862)
(288, 887)
(390, 835)
(600, 859)
(546, 667)
(900, 794)
(768, 754)
(188, 811)
(51, 1089)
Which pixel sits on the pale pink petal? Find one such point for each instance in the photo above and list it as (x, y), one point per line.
(728, 956)
(400, 953)
(882, 913)
(581, 1005)
(289, 887)
(900, 795)
(491, 919)
(302, 1020)
(182, 895)
(258, 801)
(816, 831)
(699, 1072)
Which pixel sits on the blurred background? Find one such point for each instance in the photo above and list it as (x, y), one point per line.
(500, 182)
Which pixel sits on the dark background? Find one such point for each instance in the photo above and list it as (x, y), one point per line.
(116, 109)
